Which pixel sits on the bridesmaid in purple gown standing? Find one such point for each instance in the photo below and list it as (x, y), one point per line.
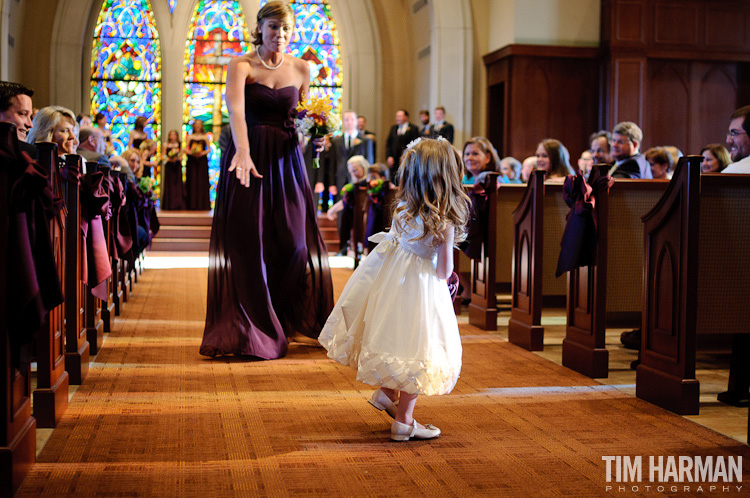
(268, 277)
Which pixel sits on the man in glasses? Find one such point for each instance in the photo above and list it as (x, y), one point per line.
(738, 141)
(625, 145)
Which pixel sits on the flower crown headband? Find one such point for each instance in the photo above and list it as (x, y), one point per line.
(419, 139)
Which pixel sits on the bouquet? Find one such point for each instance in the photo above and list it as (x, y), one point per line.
(315, 117)
(146, 186)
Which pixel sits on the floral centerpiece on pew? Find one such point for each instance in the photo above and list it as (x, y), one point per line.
(315, 118)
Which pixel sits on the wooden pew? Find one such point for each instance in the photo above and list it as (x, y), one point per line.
(51, 393)
(491, 274)
(76, 341)
(609, 291)
(17, 425)
(539, 221)
(362, 201)
(696, 281)
(108, 307)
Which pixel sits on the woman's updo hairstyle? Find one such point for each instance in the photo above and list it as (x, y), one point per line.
(272, 10)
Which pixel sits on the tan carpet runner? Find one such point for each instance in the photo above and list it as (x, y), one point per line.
(154, 418)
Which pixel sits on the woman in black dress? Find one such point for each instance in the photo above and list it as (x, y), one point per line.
(268, 267)
(196, 170)
(173, 191)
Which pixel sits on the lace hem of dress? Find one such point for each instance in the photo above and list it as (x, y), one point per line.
(379, 369)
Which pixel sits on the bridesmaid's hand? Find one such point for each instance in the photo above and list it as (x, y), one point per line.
(319, 144)
(243, 165)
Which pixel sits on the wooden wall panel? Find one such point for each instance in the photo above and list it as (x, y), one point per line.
(715, 97)
(724, 28)
(668, 107)
(627, 98)
(628, 22)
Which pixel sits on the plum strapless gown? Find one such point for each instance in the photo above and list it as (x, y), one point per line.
(268, 275)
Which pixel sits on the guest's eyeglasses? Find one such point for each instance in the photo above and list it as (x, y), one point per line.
(735, 133)
(619, 141)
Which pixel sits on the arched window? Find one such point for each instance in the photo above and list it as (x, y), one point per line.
(218, 33)
(126, 68)
(316, 40)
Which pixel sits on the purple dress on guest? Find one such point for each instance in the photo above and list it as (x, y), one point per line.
(268, 275)
(173, 191)
(196, 179)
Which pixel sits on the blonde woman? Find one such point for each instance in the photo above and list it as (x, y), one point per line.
(55, 124)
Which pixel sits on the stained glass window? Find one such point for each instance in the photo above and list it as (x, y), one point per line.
(218, 33)
(126, 68)
(171, 4)
(316, 40)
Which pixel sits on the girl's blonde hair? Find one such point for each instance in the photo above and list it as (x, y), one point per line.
(272, 10)
(46, 120)
(430, 188)
(127, 154)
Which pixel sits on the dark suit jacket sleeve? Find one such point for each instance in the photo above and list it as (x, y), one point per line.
(390, 143)
(628, 169)
(448, 132)
(369, 150)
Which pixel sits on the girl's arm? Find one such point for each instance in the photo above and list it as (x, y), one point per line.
(445, 254)
(331, 213)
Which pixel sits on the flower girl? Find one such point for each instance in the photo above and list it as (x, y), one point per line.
(394, 321)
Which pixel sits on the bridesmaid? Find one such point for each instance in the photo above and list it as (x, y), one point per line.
(196, 169)
(138, 134)
(173, 191)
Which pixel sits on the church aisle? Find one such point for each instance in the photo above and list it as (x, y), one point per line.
(154, 418)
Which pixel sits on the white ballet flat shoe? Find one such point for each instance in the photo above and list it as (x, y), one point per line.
(404, 432)
(382, 402)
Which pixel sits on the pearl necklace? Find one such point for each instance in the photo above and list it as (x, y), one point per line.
(266, 65)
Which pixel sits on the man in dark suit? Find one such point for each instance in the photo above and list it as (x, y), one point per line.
(401, 134)
(629, 162)
(91, 146)
(442, 127)
(350, 143)
(15, 107)
(425, 129)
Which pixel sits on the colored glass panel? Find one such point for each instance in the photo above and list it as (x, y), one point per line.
(126, 68)
(171, 4)
(316, 40)
(217, 33)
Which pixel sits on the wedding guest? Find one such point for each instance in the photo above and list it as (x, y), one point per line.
(479, 157)
(715, 158)
(510, 167)
(55, 124)
(626, 142)
(553, 157)
(133, 157)
(362, 127)
(119, 163)
(528, 165)
(425, 129)
(91, 146)
(172, 188)
(197, 185)
(739, 141)
(349, 144)
(600, 149)
(100, 120)
(343, 210)
(442, 128)
(149, 161)
(84, 120)
(16, 108)
(585, 163)
(377, 171)
(401, 135)
(138, 134)
(659, 160)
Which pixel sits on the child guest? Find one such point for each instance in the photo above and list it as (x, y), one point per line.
(394, 321)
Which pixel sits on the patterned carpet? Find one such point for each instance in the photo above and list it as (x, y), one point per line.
(154, 418)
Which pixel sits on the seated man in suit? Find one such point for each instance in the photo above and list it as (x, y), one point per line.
(15, 107)
(91, 146)
(442, 127)
(350, 143)
(600, 150)
(738, 141)
(629, 162)
(401, 134)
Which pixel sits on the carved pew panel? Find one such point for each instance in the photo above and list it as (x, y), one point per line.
(539, 223)
(51, 393)
(610, 290)
(76, 343)
(357, 236)
(697, 279)
(108, 307)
